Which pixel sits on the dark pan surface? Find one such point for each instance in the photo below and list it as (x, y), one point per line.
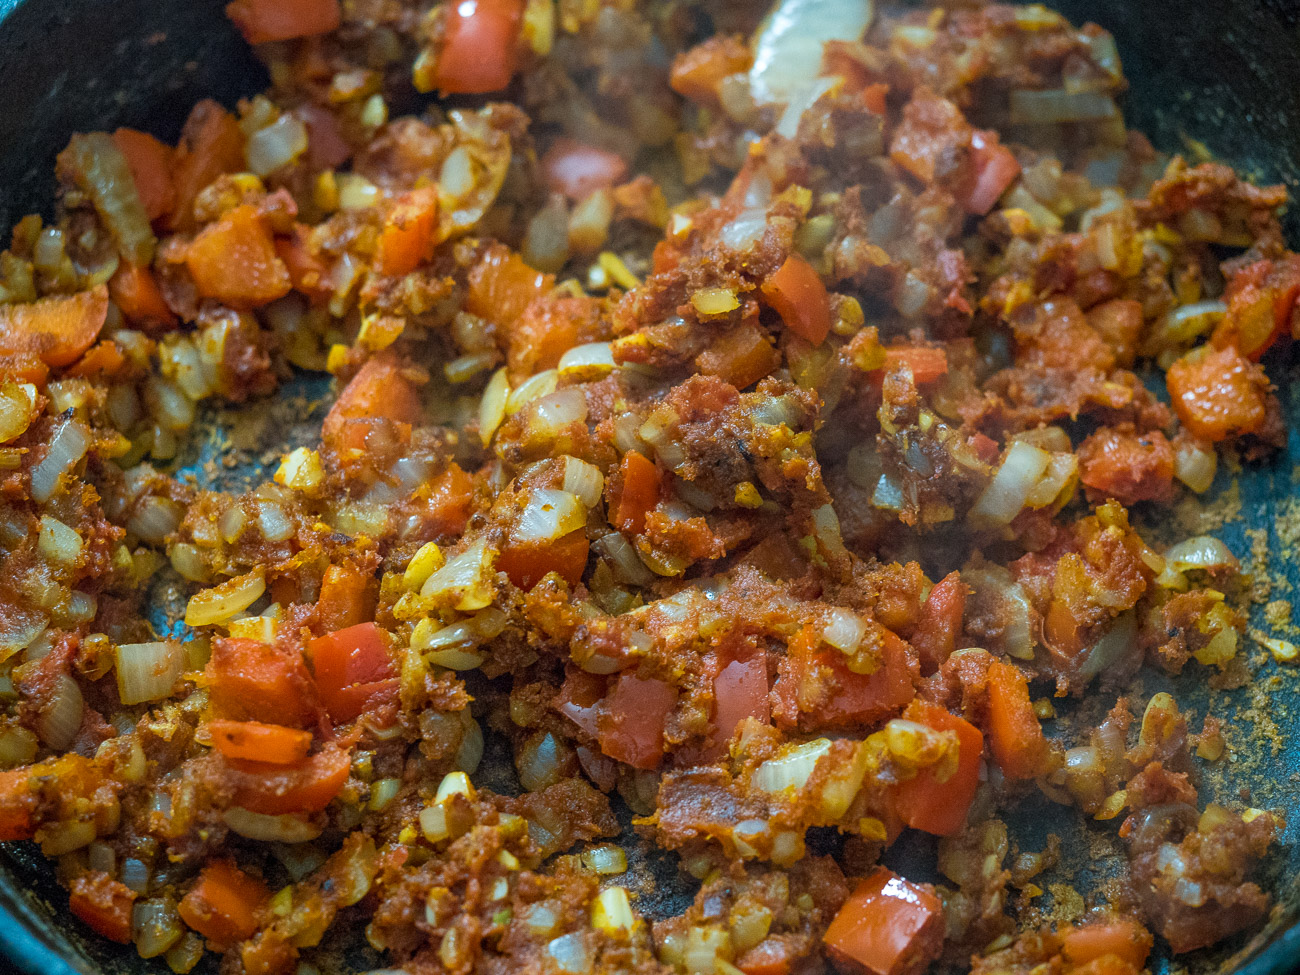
(1225, 75)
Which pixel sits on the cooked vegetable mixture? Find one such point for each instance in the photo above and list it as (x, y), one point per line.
(738, 418)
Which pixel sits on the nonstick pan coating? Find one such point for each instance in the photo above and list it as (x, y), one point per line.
(1226, 75)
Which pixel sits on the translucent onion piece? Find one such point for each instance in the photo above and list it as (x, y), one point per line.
(744, 230)
(1111, 648)
(844, 630)
(279, 144)
(548, 515)
(1195, 465)
(792, 770)
(553, 413)
(269, 829)
(583, 480)
(585, 363)
(994, 585)
(1011, 485)
(102, 173)
(147, 671)
(802, 100)
(224, 602)
(465, 577)
(570, 953)
(68, 445)
(1201, 552)
(534, 387)
(60, 719)
(1057, 105)
(788, 48)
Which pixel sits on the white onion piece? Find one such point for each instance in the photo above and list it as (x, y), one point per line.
(995, 585)
(1011, 485)
(534, 387)
(845, 630)
(1195, 465)
(1112, 645)
(267, 828)
(59, 720)
(570, 953)
(627, 565)
(68, 445)
(888, 495)
(465, 577)
(224, 602)
(826, 525)
(744, 230)
(1057, 105)
(555, 412)
(147, 671)
(492, 408)
(585, 363)
(1201, 552)
(788, 48)
(1061, 472)
(792, 770)
(549, 515)
(801, 100)
(279, 144)
(584, 480)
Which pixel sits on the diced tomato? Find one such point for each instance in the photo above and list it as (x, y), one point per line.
(631, 720)
(739, 691)
(259, 742)
(16, 805)
(308, 272)
(1128, 466)
(928, 803)
(57, 330)
(501, 286)
(995, 170)
(450, 501)
(1218, 393)
(102, 359)
(577, 170)
(697, 73)
(276, 789)
(927, 363)
(234, 261)
(1124, 938)
(353, 670)
(211, 143)
(797, 294)
(347, 598)
(409, 233)
(151, 164)
(635, 494)
(478, 54)
(935, 636)
(254, 681)
(816, 689)
(1260, 300)
(741, 356)
(225, 903)
(326, 147)
(579, 697)
(931, 128)
(770, 957)
(526, 563)
(135, 291)
(985, 447)
(1015, 736)
(261, 21)
(888, 925)
(102, 904)
(378, 390)
(873, 97)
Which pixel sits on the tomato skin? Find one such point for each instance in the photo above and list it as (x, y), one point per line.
(1128, 466)
(815, 688)
(353, 670)
(638, 493)
(935, 637)
(501, 286)
(631, 720)
(103, 904)
(255, 681)
(925, 803)
(478, 54)
(526, 564)
(225, 903)
(276, 790)
(888, 925)
(995, 169)
(739, 691)
(577, 170)
(797, 294)
(56, 330)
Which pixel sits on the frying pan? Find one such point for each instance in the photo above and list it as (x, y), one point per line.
(1224, 74)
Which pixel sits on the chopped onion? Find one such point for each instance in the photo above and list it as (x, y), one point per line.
(155, 518)
(1195, 465)
(845, 630)
(465, 577)
(549, 515)
(584, 363)
(826, 525)
(155, 926)
(58, 542)
(147, 671)
(59, 719)
(17, 401)
(584, 480)
(102, 173)
(1111, 648)
(627, 565)
(492, 408)
(1059, 479)
(224, 602)
(800, 101)
(534, 387)
(570, 953)
(788, 48)
(540, 762)
(605, 858)
(449, 646)
(1202, 552)
(994, 585)
(792, 770)
(1058, 105)
(286, 828)
(744, 230)
(274, 524)
(68, 445)
(888, 495)
(279, 144)
(1007, 493)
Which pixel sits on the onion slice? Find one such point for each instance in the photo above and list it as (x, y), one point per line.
(788, 48)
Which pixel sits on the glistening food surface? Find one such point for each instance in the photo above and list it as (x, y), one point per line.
(737, 416)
